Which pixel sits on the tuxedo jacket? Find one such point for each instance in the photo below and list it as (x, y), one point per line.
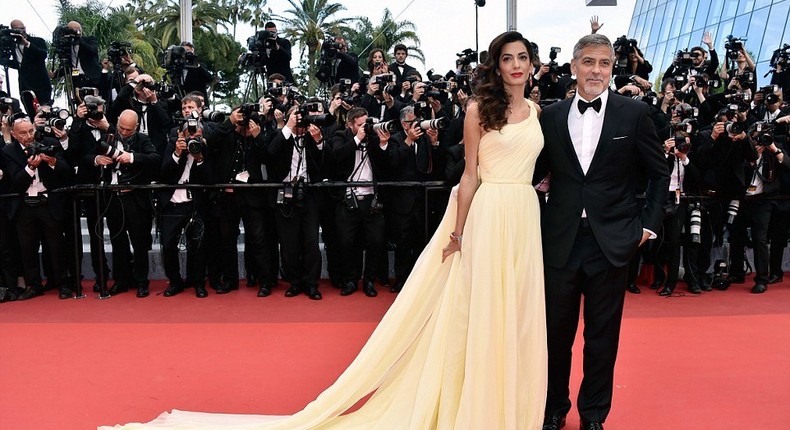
(171, 171)
(88, 56)
(18, 180)
(722, 161)
(278, 165)
(628, 147)
(222, 145)
(280, 60)
(400, 77)
(157, 118)
(33, 73)
(344, 148)
(422, 165)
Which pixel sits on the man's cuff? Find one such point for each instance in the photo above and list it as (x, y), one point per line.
(65, 144)
(131, 157)
(287, 132)
(357, 141)
(175, 158)
(384, 148)
(320, 147)
(30, 171)
(653, 235)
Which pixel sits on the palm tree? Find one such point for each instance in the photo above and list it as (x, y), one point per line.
(249, 11)
(163, 20)
(307, 24)
(384, 36)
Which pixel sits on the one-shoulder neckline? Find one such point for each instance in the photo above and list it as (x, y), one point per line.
(531, 112)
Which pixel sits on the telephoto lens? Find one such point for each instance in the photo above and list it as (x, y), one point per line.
(732, 210)
(695, 223)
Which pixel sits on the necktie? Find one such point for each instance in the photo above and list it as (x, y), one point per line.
(595, 104)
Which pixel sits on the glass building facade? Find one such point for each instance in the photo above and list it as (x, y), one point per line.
(664, 27)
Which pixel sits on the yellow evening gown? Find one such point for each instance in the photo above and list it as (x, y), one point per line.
(464, 344)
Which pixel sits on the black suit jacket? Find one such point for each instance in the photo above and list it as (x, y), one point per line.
(33, 73)
(198, 79)
(280, 60)
(19, 180)
(278, 166)
(156, 116)
(88, 57)
(628, 146)
(344, 148)
(400, 77)
(172, 170)
(222, 145)
(412, 166)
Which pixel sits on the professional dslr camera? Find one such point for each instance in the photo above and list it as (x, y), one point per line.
(733, 45)
(733, 126)
(467, 57)
(622, 47)
(434, 124)
(249, 111)
(292, 192)
(764, 132)
(7, 44)
(38, 147)
(55, 117)
(769, 94)
(373, 125)
(174, 58)
(116, 52)
(306, 118)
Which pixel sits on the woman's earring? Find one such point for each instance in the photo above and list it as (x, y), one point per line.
(497, 72)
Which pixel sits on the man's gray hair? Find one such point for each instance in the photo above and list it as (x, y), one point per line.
(591, 40)
(406, 111)
(93, 100)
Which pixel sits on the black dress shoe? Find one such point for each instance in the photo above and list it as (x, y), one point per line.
(3, 294)
(705, 286)
(226, 288)
(554, 422)
(396, 287)
(293, 291)
(632, 288)
(775, 279)
(252, 281)
(759, 288)
(200, 291)
(142, 291)
(173, 289)
(736, 279)
(65, 293)
(667, 290)
(369, 289)
(592, 425)
(694, 288)
(29, 293)
(655, 285)
(118, 289)
(348, 289)
(264, 291)
(314, 294)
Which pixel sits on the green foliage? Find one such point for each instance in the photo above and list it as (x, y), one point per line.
(385, 35)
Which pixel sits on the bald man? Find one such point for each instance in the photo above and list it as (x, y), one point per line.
(84, 59)
(132, 161)
(30, 54)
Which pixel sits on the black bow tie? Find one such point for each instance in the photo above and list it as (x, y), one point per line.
(595, 104)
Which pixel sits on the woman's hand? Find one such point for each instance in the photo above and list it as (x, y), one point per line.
(452, 247)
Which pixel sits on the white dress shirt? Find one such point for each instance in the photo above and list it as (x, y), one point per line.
(585, 130)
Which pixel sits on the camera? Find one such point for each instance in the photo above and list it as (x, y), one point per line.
(8, 41)
(63, 38)
(258, 44)
(434, 124)
(213, 116)
(375, 205)
(174, 58)
(249, 111)
(93, 110)
(467, 57)
(117, 51)
(733, 45)
(6, 105)
(695, 222)
(293, 192)
(732, 210)
(554, 68)
(383, 81)
(194, 145)
(720, 272)
(769, 94)
(734, 127)
(190, 124)
(762, 133)
(350, 200)
(622, 47)
(307, 118)
(107, 147)
(780, 57)
(373, 125)
(744, 78)
(422, 109)
(650, 98)
(55, 117)
(37, 148)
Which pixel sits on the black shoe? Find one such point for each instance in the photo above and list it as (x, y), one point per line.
(200, 291)
(369, 289)
(694, 288)
(348, 289)
(632, 288)
(775, 279)
(736, 279)
(667, 290)
(226, 288)
(554, 422)
(592, 425)
(142, 291)
(706, 287)
(264, 291)
(655, 285)
(396, 287)
(29, 293)
(65, 293)
(118, 288)
(4, 294)
(97, 287)
(252, 281)
(314, 294)
(293, 291)
(759, 288)
(173, 289)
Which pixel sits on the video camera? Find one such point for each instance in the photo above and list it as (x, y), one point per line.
(8, 41)
(116, 52)
(467, 56)
(781, 57)
(258, 44)
(63, 39)
(622, 47)
(734, 45)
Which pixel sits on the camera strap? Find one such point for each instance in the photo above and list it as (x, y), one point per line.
(358, 170)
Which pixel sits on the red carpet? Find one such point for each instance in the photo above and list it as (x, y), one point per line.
(719, 360)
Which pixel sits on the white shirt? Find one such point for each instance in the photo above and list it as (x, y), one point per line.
(180, 195)
(678, 173)
(298, 158)
(585, 131)
(756, 186)
(362, 173)
(36, 187)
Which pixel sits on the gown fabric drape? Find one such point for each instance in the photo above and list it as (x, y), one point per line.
(464, 344)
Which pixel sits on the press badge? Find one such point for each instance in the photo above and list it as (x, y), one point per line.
(75, 72)
(243, 176)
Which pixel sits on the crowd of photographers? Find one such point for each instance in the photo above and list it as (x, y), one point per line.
(725, 141)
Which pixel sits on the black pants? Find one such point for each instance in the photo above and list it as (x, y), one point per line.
(10, 266)
(669, 245)
(178, 218)
(129, 220)
(408, 233)
(234, 210)
(777, 236)
(297, 230)
(757, 215)
(587, 273)
(352, 226)
(36, 226)
(326, 218)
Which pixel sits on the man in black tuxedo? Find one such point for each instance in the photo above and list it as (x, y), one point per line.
(84, 59)
(399, 67)
(140, 96)
(196, 76)
(36, 212)
(596, 145)
(279, 58)
(346, 64)
(30, 55)
(132, 160)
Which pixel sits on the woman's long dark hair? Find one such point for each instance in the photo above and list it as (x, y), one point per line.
(371, 66)
(492, 99)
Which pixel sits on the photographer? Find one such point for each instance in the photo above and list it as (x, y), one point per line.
(379, 102)
(196, 76)
(279, 56)
(127, 158)
(34, 166)
(81, 54)
(296, 159)
(360, 154)
(140, 96)
(741, 76)
(547, 77)
(337, 63)
(183, 211)
(699, 62)
(30, 55)
(399, 67)
(237, 153)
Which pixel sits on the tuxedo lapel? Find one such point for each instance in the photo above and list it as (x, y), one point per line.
(610, 121)
(565, 134)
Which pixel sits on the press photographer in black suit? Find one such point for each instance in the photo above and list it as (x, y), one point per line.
(84, 58)
(129, 158)
(237, 150)
(140, 96)
(196, 76)
(37, 213)
(279, 59)
(30, 55)
(184, 210)
(359, 154)
(399, 68)
(295, 159)
(700, 63)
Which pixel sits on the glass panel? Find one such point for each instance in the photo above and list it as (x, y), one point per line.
(761, 3)
(701, 13)
(640, 6)
(648, 21)
(756, 30)
(683, 44)
(745, 6)
(696, 40)
(730, 7)
(741, 26)
(670, 20)
(725, 29)
(777, 22)
(762, 69)
(714, 14)
(658, 21)
(653, 4)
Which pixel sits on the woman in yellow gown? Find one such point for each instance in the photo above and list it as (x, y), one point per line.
(464, 344)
